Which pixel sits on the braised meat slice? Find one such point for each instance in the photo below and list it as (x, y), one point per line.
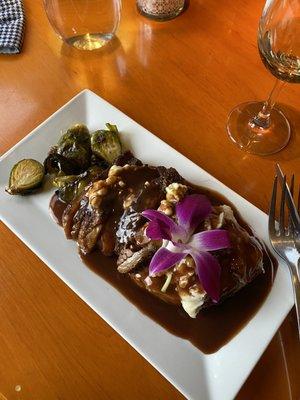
(107, 217)
(109, 208)
(240, 265)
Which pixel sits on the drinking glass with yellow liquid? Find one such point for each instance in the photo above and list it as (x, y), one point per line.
(84, 24)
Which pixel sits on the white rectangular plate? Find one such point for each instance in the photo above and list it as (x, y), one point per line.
(218, 376)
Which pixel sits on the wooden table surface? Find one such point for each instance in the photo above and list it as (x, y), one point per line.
(178, 79)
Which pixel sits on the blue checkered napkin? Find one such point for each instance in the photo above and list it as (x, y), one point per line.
(12, 23)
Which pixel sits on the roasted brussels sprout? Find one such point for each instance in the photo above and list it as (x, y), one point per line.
(76, 160)
(67, 191)
(106, 143)
(56, 163)
(99, 162)
(60, 181)
(75, 146)
(78, 133)
(26, 176)
(71, 186)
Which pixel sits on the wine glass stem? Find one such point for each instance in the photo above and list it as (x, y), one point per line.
(262, 119)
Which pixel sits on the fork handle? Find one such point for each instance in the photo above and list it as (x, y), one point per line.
(296, 289)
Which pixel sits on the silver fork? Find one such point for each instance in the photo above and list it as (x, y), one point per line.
(294, 211)
(293, 208)
(296, 227)
(281, 236)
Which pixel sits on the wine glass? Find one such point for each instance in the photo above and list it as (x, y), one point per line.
(84, 24)
(260, 128)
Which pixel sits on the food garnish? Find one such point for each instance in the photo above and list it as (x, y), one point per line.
(179, 240)
(26, 176)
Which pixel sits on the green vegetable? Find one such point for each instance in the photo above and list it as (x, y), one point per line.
(25, 176)
(106, 143)
(76, 160)
(75, 146)
(99, 162)
(78, 133)
(71, 186)
(57, 164)
(63, 180)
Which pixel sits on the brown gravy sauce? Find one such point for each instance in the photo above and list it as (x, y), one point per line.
(213, 327)
(57, 208)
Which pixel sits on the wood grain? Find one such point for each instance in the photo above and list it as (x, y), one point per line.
(179, 79)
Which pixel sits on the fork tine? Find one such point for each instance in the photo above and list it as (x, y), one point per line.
(297, 228)
(290, 201)
(272, 229)
(282, 207)
(291, 225)
(292, 185)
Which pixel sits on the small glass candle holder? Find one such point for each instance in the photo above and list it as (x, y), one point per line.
(160, 10)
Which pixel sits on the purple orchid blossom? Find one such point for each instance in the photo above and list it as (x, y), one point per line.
(179, 240)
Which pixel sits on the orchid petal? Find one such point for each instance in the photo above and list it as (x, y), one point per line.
(192, 210)
(157, 230)
(176, 247)
(163, 227)
(208, 270)
(164, 259)
(215, 239)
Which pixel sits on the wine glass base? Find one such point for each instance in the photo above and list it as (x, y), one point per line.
(256, 140)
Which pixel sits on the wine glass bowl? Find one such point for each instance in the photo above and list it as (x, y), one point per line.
(84, 24)
(279, 40)
(260, 128)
